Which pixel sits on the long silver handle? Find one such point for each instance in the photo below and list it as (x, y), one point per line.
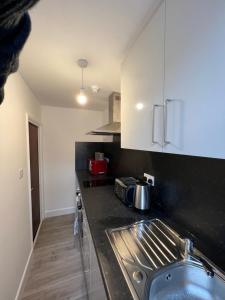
(166, 141)
(155, 106)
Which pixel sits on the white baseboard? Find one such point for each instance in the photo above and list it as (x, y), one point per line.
(59, 212)
(24, 276)
(26, 269)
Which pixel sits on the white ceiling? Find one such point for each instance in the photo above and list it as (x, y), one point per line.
(64, 31)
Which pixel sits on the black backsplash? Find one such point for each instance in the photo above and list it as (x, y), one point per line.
(84, 151)
(189, 190)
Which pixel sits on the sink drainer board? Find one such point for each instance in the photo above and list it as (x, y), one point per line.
(152, 258)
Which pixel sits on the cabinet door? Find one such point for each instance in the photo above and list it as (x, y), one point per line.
(142, 88)
(86, 251)
(195, 77)
(94, 283)
(97, 290)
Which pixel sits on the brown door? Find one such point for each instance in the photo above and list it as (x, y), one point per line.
(34, 172)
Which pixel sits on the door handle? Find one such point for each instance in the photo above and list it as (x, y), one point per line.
(32, 189)
(166, 141)
(155, 106)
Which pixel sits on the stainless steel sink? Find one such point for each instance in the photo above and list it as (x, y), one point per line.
(185, 282)
(159, 265)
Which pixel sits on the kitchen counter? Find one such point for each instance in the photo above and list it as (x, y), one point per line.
(104, 211)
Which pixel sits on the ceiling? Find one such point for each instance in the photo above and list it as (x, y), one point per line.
(64, 31)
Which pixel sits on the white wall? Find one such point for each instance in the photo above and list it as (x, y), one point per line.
(15, 227)
(62, 127)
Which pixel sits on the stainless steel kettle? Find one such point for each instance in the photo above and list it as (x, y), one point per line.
(142, 196)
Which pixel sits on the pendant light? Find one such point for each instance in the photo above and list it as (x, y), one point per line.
(81, 97)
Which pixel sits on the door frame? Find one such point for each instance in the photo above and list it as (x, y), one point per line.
(34, 121)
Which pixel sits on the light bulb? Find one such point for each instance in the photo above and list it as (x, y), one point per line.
(82, 98)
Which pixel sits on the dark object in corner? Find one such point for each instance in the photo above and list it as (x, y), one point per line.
(15, 26)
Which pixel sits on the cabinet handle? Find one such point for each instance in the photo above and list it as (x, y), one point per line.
(155, 106)
(166, 141)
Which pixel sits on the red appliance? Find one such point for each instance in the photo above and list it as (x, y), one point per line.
(97, 167)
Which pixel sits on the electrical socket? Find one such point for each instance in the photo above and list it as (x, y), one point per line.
(148, 176)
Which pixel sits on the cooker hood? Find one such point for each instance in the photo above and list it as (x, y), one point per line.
(114, 125)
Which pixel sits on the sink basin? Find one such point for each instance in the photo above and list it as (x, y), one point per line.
(157, 266)
(185, 281)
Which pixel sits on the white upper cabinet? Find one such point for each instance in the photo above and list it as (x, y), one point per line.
(195, 77)
(142, 88)
(179, 62)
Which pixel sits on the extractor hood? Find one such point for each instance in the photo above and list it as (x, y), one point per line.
(114, 125)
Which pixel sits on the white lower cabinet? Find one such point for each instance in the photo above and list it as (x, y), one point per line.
(95, 287)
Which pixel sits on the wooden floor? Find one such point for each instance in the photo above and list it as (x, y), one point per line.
(56, 270)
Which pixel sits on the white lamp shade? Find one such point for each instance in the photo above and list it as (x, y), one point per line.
(81, 98)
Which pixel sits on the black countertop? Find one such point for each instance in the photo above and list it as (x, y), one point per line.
(105, 211)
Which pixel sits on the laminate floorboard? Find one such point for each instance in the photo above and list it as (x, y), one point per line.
(56, 270)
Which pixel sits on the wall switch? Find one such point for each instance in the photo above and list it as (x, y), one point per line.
(148, 176)
(20, 173)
